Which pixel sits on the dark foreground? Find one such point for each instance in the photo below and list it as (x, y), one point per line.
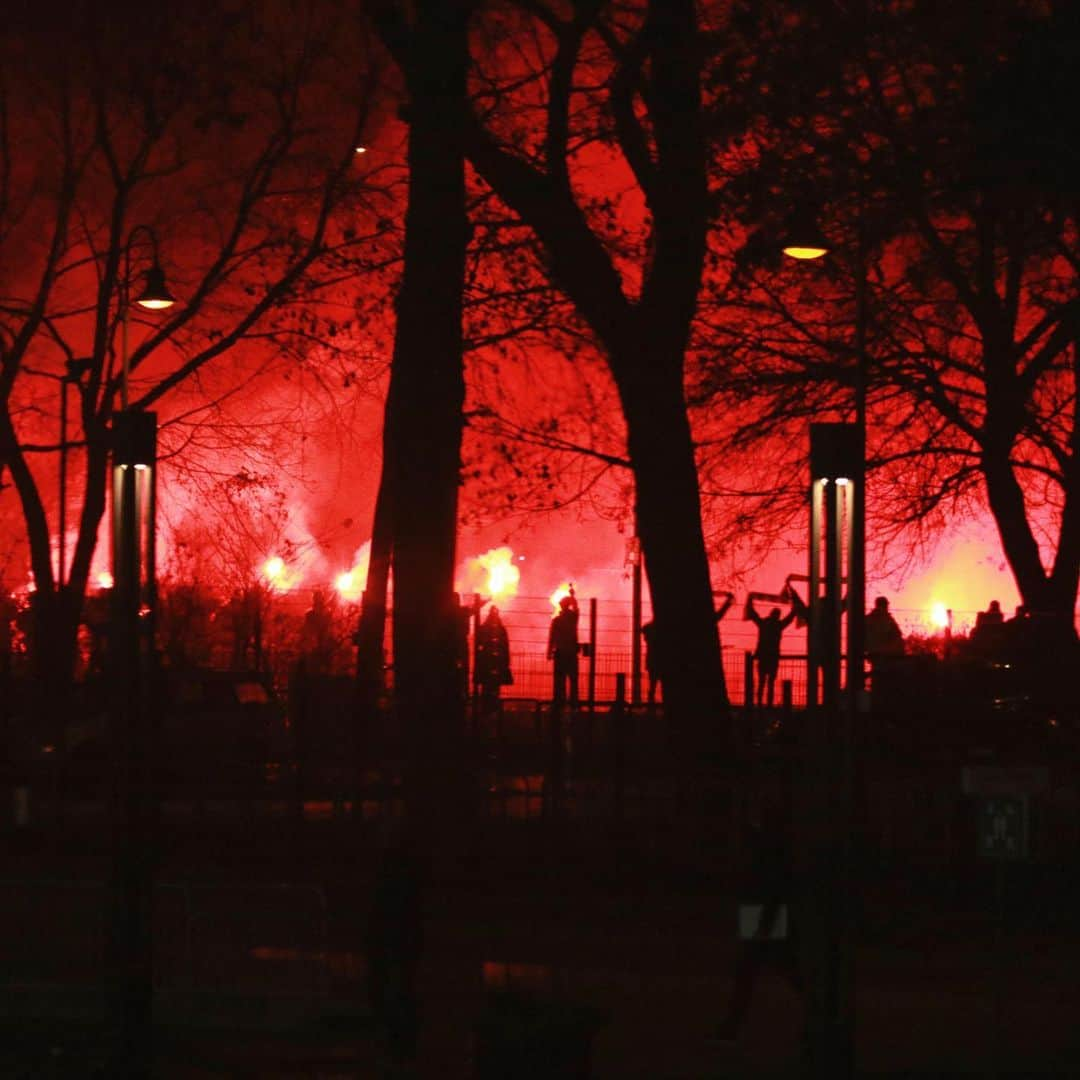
(618, 900)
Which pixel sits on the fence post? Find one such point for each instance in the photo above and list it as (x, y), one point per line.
(592, 655)
(477, 607)
(635, 627)
(617, 721)
(555, 760)
(748, 681)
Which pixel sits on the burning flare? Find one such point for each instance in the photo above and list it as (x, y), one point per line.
(939, 616)
(350, 584)
(278, 575)
(493, 574)
(558, 594)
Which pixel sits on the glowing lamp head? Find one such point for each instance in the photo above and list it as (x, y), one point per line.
(803, 238)
(805, 251)
(155, 295)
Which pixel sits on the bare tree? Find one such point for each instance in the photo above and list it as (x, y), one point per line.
(418, 497)
(575, 91)
(235, 143)
(970, 257)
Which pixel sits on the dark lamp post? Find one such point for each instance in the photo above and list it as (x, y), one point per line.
(133, 673)
(837, 497)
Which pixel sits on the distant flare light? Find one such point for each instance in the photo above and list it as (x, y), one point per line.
(278, 575)
(104, 580)
(350, 584)
(502, 575)
(939, 616)
(493, 574)
(558, 594)
(345, 583)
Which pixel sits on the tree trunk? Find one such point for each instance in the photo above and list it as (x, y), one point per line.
(421, 469)
(424, 420)
(673, 544)
(371, 632)
(645, 342)
(1050, 598)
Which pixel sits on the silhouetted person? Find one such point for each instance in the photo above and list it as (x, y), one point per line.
(767, 928)
(653, 667)
(988, 637)
(245, 626)
(1018, 635)
(492, 659)
(722, 610)
(96, 619)
(883, 639)
(462, 617)
(317, 642)
(8, 611)
(563, 650)
(769, 629)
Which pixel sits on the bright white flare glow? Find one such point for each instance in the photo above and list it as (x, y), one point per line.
(494, 575)
(278, 575)
(558, 594)
(502, 575)
(104, 580)
(351, 583)
(939, 616)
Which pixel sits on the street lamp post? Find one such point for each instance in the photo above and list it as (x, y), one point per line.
(73, 372)
(831, 1010)
(805, 241)
(131, 644)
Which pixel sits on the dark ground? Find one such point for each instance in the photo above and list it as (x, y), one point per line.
(260, 935)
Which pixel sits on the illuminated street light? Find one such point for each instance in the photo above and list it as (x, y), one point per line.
(133, 664)
(803, 238)
(155, 296)
(837, 451)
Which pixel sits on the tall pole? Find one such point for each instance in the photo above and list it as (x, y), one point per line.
(61, 552)
(132, 660)
(635, 623)
(857, 584)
